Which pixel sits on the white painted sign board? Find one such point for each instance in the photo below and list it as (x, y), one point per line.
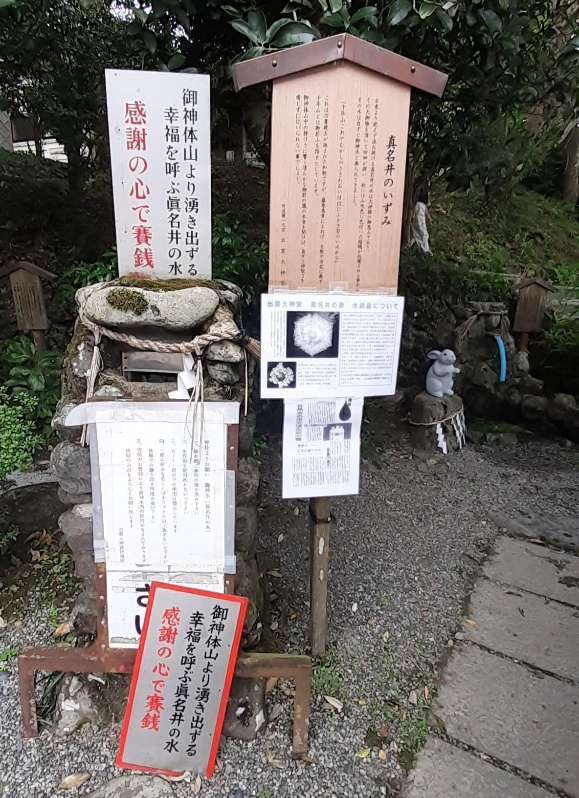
(163, 507)
(181, 681)
(160, 140)
(321, 447)
(329, 344)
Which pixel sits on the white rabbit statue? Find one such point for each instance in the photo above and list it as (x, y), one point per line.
(440, 374)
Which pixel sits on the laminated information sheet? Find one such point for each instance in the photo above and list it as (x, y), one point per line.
(321, 447)
(329, 344)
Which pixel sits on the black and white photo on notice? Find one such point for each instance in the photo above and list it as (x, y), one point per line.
(312, 334)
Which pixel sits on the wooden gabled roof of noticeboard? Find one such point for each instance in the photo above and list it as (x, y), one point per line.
(534, 281)
(343, 47)
(24, 265)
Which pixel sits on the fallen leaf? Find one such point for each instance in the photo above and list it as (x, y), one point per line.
(459, 636)
(196, 786)
(92, 677)
(276, 711)
(413, 698)
(383, 731)
(426, 691)
(362, 702)
(62, 629)
(470, 622)
(293, 616)
(180, 777)
(394, 747)
(371, 621)
(270, 684)
(280, 537)
(34, 555)
(73, 781)
(538, 725)
(385, 636)
(276, 574)
(363, 753)
(382, 754)
(485, 757)
(273, 626)
(334, 702)
(17, 624)
(450, 643)
(384, 601)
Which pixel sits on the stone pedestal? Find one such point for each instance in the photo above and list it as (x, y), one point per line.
(427, 413)
(224, 378)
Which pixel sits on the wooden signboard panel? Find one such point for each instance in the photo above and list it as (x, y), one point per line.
(339, 137)
(29, 304)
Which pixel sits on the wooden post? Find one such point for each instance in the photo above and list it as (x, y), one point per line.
(339, 131)
(320, 523)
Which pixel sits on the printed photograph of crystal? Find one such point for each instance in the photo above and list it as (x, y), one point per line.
(281, 375)
(312, 334)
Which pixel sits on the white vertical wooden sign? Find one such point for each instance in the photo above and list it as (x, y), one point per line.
(160, 140)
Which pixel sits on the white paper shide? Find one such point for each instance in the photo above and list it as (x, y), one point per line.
(159, 127)
(321, 447)
(329, 344)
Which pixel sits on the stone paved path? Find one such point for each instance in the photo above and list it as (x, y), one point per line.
(509, 697)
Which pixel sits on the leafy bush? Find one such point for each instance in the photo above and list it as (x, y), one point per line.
(80, 274)
(18, 438)
(237, 259)
(32, 382)
(562, 335)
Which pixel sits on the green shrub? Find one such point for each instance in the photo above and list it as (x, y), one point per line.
(18, 438)
(32, 381)
(237, 259)
(80, 274)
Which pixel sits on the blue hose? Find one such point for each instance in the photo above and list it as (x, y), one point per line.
(503, 358)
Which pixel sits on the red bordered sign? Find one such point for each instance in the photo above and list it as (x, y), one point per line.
(181, 681)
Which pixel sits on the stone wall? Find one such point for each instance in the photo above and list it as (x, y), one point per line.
(521, 397)
(170, 316)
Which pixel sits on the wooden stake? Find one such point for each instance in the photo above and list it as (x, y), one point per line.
(524, 342)
(39, 340)
(320, 520)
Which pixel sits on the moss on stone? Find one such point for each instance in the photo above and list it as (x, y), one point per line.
(129, 281)
(127, 300)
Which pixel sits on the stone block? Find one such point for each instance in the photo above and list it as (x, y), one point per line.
(78, 702)
(83, 615)
(531, 385)
(534, 408)
(484, 376)
(554, 529)
(32, 507)
(246, 527)
(564, 412)
(71, 464)
(74, 498)
(224, 373)
(509, 712)
(426, 410)
(520, 363)
(245, 713)
(248, 584)
(63, 408)
(248, 481)
(118, 306)
(225, 352)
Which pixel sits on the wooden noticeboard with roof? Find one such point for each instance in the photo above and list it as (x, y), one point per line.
(339, 132)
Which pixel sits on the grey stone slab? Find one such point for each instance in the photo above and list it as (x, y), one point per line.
(445, 771)
(535, 568)
(505, 710)
(525, 626)
(561, 531)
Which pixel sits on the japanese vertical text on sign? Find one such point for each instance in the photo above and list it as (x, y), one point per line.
(159, 126)
(181, 680)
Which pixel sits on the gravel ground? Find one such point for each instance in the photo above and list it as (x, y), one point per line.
(403, 556)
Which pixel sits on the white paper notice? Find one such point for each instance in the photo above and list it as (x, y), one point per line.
(329, 344)
(159, 127)
(321, 447)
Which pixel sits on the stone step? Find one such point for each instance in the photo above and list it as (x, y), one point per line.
(550, 573)
(527, 627)
(520, 717)
(445, 771)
